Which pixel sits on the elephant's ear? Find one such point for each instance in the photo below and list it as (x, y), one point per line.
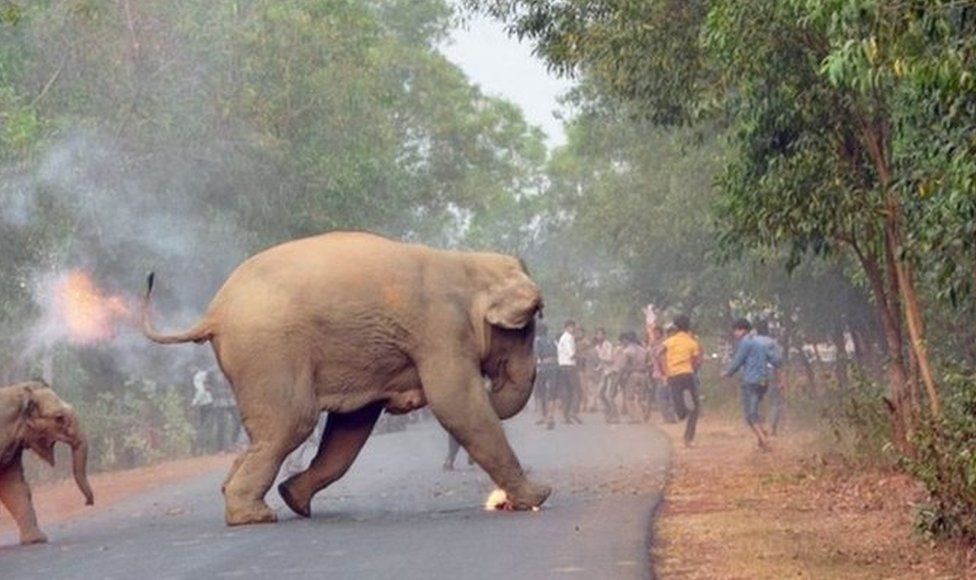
(28, 406)
(39, 444)
(514, 303)
(510, 304)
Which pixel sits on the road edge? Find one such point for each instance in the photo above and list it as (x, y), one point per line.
(652, 524)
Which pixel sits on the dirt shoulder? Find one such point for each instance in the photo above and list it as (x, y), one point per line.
(59, 502)
(733, 512)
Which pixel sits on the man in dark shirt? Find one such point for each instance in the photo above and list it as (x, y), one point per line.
(547, 373)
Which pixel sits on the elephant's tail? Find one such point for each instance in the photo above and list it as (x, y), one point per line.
(200, 333)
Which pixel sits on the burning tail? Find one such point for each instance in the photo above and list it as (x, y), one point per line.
(199, 334)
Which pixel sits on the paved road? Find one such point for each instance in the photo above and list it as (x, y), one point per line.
(395, 515)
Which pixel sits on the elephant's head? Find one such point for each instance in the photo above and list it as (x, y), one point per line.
(49, 420)
(506, 317)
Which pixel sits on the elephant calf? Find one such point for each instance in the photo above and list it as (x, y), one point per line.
(33, 417)
(351, 324)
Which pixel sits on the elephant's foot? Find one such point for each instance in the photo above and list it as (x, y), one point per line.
(35, 537)
(256, 513)
(527, 496)
(299, 503)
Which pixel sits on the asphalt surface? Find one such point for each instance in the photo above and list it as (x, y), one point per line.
(395, 515)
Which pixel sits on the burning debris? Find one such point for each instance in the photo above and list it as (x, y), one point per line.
(78, 311)
(497, 501)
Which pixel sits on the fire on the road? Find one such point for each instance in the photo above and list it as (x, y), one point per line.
(89, 315)
(497, 500)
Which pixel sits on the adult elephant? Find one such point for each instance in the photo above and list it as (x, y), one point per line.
(33, 417)
(352, 323)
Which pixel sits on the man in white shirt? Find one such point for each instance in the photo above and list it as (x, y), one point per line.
(203, 404)
(566, 353)
(571, 388)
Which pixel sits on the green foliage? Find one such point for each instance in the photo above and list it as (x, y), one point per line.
(849, 127)
(334, 114)
(140, 424)
(858, 423)
(20, 124)
(10, 13)
(946, 464)
(627, 222)
(255, 122)
(644, 52)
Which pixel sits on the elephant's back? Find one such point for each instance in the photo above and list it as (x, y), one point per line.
(341, 306)
(331, 272)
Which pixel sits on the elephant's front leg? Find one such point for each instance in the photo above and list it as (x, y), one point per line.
(16, 496)
(343, 438)
(457, 397)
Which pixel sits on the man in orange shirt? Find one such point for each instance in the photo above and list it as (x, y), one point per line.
(681, 356)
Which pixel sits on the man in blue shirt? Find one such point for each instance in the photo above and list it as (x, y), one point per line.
(754, 355)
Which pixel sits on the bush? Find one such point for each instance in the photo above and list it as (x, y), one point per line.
(945, 462)
(140, 424)
(859, 423)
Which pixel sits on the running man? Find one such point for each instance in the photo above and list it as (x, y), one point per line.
(659, 383)
(754, 355)
(681, 357)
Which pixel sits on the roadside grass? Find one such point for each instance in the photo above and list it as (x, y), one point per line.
(802, 511)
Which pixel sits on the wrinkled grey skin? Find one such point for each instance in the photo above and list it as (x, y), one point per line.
(33, 417)
(352, 324)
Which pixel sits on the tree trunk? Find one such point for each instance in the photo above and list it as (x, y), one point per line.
(876, 138)
(916, 333)
(886, 309)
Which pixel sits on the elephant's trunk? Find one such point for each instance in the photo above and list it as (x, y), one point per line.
(511, 396)
(79, 467)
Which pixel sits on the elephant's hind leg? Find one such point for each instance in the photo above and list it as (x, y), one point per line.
(343, 438)
(275, 431)
(16, 496)
(233, 469)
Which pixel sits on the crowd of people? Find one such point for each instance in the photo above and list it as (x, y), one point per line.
(623, 380)
(626, 380)
(631, 378)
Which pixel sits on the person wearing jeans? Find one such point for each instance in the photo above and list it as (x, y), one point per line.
(777, 406)
(755, 355)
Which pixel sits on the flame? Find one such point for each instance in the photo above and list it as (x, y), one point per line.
(87, 314)
(497, 500)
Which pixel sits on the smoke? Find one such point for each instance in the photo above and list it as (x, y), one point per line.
(17, 201)
(110, 215)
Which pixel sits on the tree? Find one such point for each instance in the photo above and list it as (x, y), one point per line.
(822, 100)
(139, 135)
